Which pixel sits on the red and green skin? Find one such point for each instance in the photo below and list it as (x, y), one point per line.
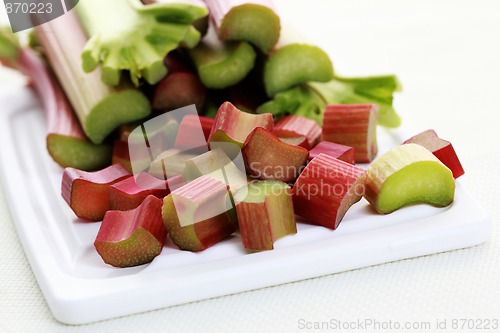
(234, 126)
(133, 237)
(268, 158)
(131, 192)
(326, 189)
(442, 149)
(189, 125)
(353, 125)
(297, 126)
(335, 150)
(66, 141)
(198, 235)
(87, 193)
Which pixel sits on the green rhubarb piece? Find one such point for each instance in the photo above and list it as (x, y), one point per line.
(78, 153)
(222, 64)
(265, 214)
(294, 64)
(127, 35)
(256, 24)
(408, 174)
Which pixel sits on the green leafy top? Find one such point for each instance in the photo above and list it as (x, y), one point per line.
(310, 99)
(126, 35)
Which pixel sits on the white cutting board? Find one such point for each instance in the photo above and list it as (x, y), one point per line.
(80, 288)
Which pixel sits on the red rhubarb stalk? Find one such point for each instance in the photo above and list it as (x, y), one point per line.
(335, 150)
(134, 237)
(353, 125)
(295, 126)
(87, 193)
(442, 149)
(326, 189)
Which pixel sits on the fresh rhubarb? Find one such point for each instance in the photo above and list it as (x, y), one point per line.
(222, 64)
(335, 150)
(265, 214)
(310, 99)
(66, 142)
(353, 125)
(191, 124)
(126, 35)
(267, 157)
(295, 64)
(87, 193)
(130, 192)
(296, 126)
(178, 89)
(169, 163)
(326, 189)
(99, 108)
(196, 215)
(442, 149)
(300, 141)
(255, 21)
(406, 175)
(134, 237)
(121, 155)
(233, 126)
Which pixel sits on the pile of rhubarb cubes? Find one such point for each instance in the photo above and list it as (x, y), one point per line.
(282, 135)
(291, 167)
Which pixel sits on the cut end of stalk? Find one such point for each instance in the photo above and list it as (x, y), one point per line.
(120, 108)
(78, 153)
(257, 24)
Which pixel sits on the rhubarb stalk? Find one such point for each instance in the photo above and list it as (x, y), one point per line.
(66, 141)
(99, 108)
(253, 21)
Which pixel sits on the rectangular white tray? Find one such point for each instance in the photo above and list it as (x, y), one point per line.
(80, 288)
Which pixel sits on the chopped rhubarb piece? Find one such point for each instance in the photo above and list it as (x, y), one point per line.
(131, 192)
(170, 163)
(206, 163)
(121, 155)
(296, 64)
(442, 149)
(353, 125)
(335, 150)
(222, 64)
(408, 174)
(178, 89)
(234, 126)
(134, 237)
(188, 126)
(87, 193)
(265, 214)
(326, 189)
(296, 126)
(300, 141)
(255, 22)
(197, 215)
(267, 157)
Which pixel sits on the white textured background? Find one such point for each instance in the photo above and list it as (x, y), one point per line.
(447, 54)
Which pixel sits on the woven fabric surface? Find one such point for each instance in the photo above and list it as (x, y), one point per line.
(448, 57)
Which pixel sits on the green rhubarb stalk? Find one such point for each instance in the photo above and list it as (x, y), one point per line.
(66, 142)
(99, 108)
(126, 35)
(310, 99)
(294, 64)
(241, 20)
(222, 64)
